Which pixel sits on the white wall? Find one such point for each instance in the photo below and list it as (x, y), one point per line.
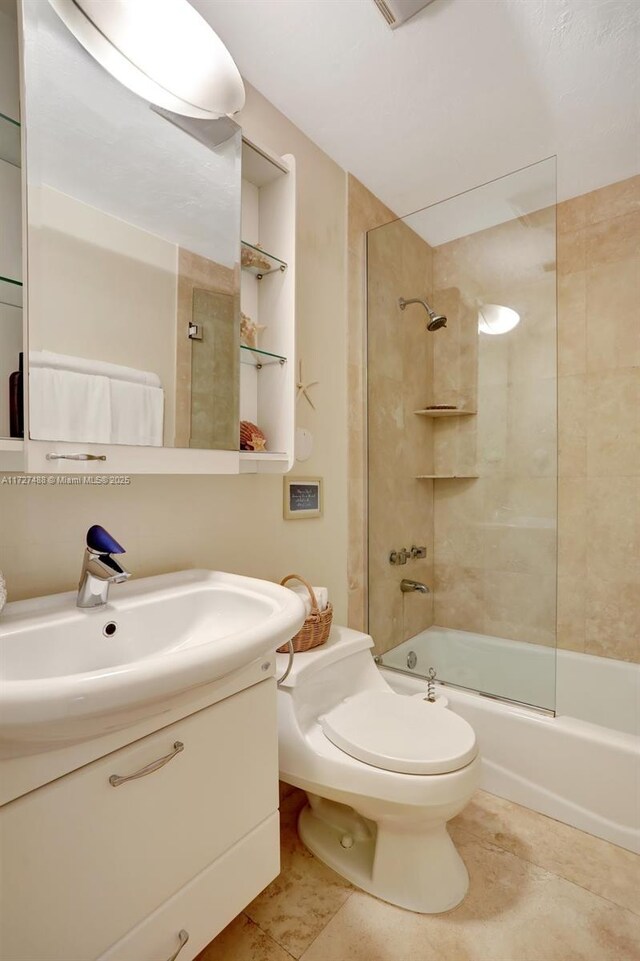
(231, 523)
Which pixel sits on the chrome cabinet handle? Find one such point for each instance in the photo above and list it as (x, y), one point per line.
(116, 779)
(76, 456)
(183, 937)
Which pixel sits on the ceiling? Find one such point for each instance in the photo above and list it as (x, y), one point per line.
(466, 91)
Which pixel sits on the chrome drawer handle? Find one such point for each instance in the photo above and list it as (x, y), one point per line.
(116, 779)
(183, 937)
(76, 456)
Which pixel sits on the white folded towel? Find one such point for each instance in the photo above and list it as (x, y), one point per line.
(137, 414)
(67, 406)
(322, 596)
(84, 365)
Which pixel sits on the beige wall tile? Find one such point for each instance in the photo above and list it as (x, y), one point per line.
(572, 251)
(611, 240)
(613, 528)
(613, 424)
(572, 323)
(460, 600)
(612, 618)
(572, 214)
(572, 426)
(615, 200)
(521, 606)
(613, 315)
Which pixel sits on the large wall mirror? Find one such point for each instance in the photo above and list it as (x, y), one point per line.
(133, 232)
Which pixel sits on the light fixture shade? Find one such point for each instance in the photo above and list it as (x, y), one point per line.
(163, 50)
(495, 319)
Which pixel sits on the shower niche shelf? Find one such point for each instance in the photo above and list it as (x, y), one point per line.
(447, 476)
(444, 412)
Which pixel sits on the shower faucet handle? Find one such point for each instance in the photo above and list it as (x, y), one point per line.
(418, 552)
(399, 557)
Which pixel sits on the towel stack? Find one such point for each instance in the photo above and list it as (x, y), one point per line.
(322, 596)
(76, 399)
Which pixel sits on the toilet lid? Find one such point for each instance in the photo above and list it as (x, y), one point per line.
(403, 734)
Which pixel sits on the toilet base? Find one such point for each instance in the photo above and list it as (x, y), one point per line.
(419, 870)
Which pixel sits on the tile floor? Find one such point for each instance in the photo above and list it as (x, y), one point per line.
(540, 891)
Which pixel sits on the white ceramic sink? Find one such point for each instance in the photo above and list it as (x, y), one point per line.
(66, 675)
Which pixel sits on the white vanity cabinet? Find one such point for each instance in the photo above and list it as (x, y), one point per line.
(110, 862)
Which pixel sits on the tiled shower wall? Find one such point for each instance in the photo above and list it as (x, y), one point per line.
(495, 536)
(491, 575)
(599, 421)
(400, 442)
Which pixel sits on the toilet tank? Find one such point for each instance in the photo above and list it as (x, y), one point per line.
(326, 675)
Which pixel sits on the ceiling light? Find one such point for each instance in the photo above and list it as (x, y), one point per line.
(164, 51)
(494, 319)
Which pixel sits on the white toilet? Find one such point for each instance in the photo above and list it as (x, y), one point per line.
(383, 774)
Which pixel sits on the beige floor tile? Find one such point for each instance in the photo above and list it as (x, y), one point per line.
(594, 864)
(305, 896)
(515, 911)
(242, 940)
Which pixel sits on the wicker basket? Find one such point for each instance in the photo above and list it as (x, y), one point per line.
(317, 625)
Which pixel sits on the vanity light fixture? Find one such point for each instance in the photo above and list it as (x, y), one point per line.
(162, 50)
(495, 319)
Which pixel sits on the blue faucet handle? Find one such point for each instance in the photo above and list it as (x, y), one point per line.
(102, 542)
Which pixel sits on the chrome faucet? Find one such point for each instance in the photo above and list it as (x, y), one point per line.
(408, 587)
(99, 568)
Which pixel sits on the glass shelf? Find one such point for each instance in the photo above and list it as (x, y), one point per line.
(263, 262)
(259, 358)
(447, 476)
(10, 140)
(444, 412)
(10, 292)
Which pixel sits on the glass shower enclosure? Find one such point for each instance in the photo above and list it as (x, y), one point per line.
(462, 439)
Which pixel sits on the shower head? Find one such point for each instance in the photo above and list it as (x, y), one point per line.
(436, 321)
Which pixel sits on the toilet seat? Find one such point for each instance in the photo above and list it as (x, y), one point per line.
(402, 734)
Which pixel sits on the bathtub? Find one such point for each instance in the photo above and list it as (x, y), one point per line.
(581, 766)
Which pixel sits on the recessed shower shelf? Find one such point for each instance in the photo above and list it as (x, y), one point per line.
(259, 358)
(444, 412)
(257, 261)
(447, 476)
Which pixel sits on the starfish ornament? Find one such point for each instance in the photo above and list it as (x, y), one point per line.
(303, 389)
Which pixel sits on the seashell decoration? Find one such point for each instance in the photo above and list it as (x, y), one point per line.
(251, 437)
(250, 257)
(249, 331)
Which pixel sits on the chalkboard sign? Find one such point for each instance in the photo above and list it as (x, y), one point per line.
(302, 497)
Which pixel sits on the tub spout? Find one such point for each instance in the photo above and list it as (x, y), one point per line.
(408, 587)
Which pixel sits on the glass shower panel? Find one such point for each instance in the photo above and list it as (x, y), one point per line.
(462, 439)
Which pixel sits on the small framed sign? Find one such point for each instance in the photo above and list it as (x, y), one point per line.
(302, 497)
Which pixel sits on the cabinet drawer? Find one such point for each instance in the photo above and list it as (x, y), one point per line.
(84, 861)
(207, 904)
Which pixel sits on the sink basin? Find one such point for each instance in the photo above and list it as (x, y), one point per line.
(68, 674)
